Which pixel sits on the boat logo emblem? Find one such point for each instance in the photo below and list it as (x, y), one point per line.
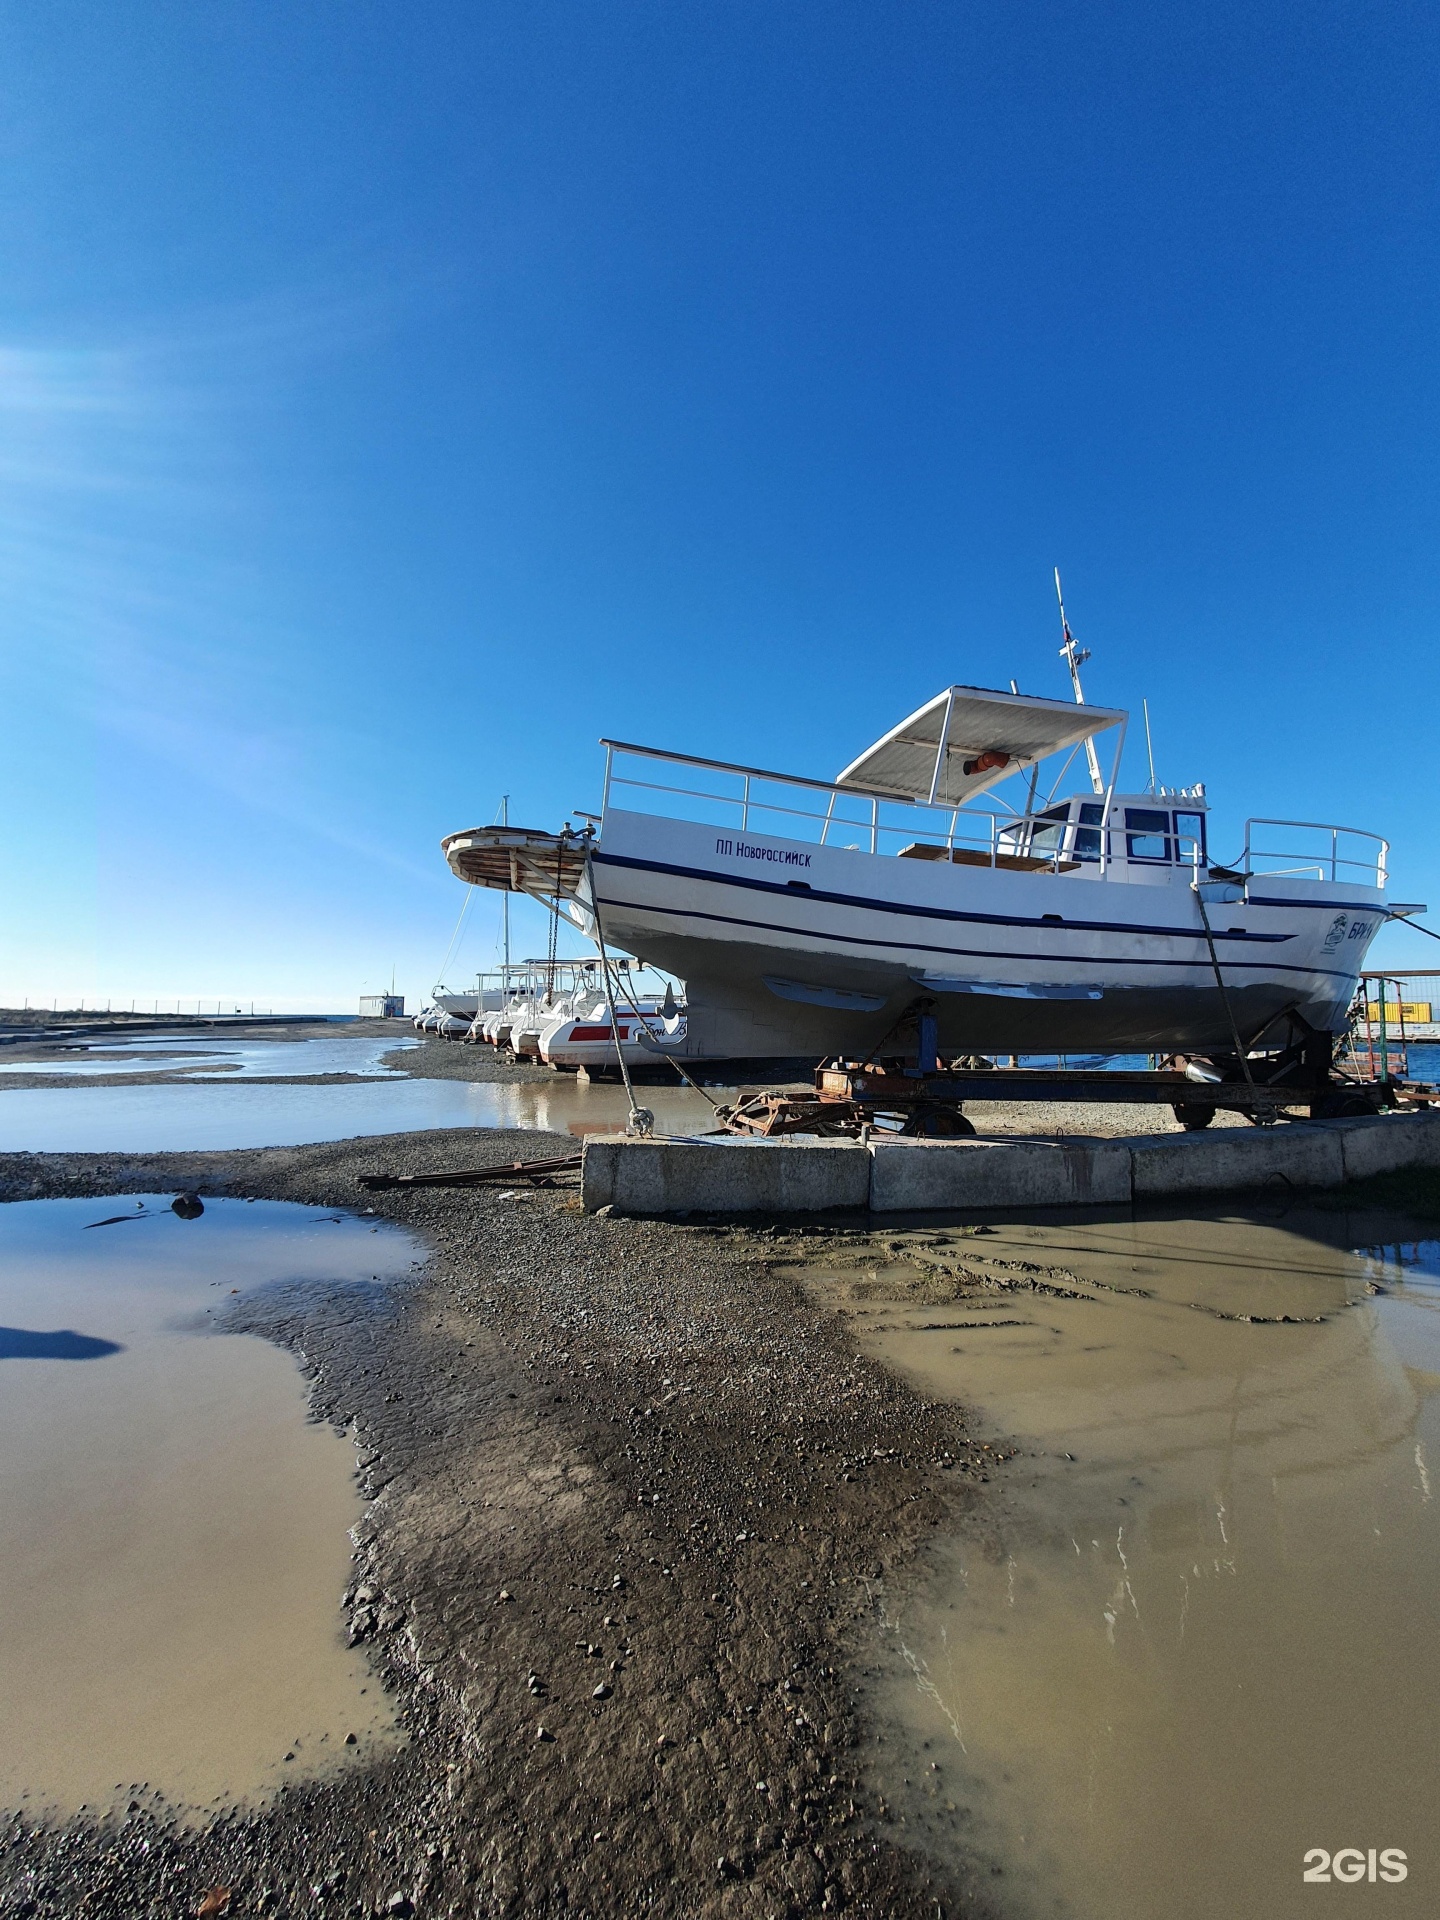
(1336, 933)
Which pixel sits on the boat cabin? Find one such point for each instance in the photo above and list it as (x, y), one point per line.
(969, 739)
(1151, 839)
(1151, 835)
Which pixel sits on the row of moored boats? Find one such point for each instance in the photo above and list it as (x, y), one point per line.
(556, 1012)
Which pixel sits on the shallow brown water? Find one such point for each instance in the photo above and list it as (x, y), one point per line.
(205, 1115)
(176, 1532)
(1207, 1642)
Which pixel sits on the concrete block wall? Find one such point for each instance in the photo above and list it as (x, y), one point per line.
(1233, 1159)
(916, 1176)
(922, 1176)
(1385, 1145)
(725, 1176)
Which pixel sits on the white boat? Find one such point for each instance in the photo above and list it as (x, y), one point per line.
(453, 1012)
(494, 993)
(512, 990)
(584, 1036)
(495, 1027)
(486, 1026)
(807, 916)
(546, 995)
(534, 1014)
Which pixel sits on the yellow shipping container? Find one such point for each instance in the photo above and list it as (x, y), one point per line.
(1412, 1012)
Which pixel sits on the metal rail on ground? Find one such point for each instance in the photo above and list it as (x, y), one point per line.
(540, 1171)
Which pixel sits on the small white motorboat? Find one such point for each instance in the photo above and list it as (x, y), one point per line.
(646, 1026)
(548, 997)
(495, 992)
(453, 1012)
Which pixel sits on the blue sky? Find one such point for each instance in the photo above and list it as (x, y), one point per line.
(393, 400)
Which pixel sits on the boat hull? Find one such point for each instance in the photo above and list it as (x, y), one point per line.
(787, 948)
(591, 1044)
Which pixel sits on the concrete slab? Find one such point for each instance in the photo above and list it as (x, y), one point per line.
(917, 1176)
(1305, 1154)
(1390, 1141)
(922, 1176)
(725, 1176)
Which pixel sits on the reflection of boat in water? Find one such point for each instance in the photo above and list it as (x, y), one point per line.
(806, 916)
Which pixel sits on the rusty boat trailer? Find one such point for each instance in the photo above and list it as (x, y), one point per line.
(847, 1098)
(928, 1098)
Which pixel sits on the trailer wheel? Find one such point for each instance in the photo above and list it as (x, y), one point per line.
(937, 1123)
(1192, 1118)
(1344, 1106)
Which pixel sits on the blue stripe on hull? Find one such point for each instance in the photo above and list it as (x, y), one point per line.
(868, 904)
(970, 953)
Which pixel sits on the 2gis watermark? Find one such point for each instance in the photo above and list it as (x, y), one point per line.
(1352, 1865)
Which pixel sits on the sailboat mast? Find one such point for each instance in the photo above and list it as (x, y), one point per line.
(505, 897)
(1075, 658)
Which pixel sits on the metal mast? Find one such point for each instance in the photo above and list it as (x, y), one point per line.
(505, 897)
(1075, 658)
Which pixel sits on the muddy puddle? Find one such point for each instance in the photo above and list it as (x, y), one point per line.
(1199, 1661)
(236, 1057)
(175, 1530)
(201, 1116)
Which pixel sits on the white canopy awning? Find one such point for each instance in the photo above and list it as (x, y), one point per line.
(969, 738)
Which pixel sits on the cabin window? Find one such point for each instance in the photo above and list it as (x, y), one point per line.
(1086, 845)
(1190, 837)
(1147, 833)
(1047, 840)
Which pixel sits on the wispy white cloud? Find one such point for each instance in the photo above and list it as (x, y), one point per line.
(125, 467)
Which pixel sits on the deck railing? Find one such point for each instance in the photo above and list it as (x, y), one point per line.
(1329, 853)
(789, 806)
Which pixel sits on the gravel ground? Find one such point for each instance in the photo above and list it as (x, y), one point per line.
(463, 1060)
(1050, 1117)
(633, 1502)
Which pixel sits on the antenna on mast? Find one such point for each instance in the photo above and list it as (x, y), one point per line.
(1075, 658)
(1149, 749)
